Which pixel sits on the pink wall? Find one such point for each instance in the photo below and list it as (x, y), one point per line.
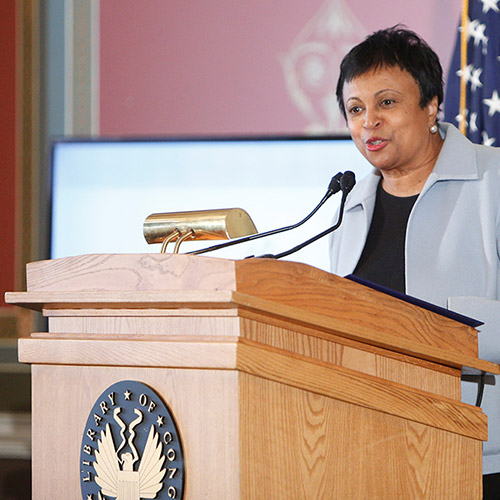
(241, 67)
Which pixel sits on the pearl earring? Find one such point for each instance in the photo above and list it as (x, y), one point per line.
(433, 129)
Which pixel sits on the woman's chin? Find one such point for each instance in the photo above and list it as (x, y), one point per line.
(378, 161)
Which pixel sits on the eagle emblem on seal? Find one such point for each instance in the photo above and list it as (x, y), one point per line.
(115, 473)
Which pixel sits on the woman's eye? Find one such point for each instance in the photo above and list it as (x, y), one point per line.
(387, 102)
(354, 110)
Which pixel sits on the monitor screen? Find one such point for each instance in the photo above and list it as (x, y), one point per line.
(103, 190)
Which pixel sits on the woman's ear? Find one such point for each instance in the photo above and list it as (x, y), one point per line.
(432, 109)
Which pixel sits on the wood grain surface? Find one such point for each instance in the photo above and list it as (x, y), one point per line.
(324, 448)
(358, 327)
(289, 283)
(287, 368)
(166, 281)
(286, 382)
(249, 437)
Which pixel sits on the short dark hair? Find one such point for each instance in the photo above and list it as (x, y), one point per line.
(396, 46)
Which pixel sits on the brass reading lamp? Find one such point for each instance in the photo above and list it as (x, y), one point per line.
(220, 224)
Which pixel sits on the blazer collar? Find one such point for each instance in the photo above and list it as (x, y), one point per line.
(365, 191)
(457, 159)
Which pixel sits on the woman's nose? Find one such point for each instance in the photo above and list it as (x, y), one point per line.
(372, 119)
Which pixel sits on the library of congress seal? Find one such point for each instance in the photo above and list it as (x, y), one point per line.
(131, 448)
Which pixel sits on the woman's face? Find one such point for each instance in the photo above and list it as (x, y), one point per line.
(386, 121)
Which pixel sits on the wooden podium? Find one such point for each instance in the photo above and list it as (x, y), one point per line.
(286, 382)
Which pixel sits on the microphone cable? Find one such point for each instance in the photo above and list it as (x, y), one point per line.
(347, 182)
(333, 187)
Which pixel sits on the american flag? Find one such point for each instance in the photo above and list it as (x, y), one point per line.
(472, 100)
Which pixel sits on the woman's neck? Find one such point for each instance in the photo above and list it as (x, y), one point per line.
(409, 182)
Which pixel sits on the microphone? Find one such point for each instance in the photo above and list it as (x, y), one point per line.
(333, 187)
(347, 182)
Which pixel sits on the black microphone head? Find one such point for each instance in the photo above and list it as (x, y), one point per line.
(334, 186)
(347, 181)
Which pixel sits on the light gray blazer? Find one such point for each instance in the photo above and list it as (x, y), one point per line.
(452, 247)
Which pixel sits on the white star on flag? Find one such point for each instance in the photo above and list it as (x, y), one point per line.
(475, 81)
(480, 37)
(493, 103)
(487, 141)
(472, 122)
(490, 4)
(466, 72)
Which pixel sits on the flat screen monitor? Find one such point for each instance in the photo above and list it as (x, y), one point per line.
(103, 190)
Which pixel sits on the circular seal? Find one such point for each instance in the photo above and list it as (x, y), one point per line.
(131, 448)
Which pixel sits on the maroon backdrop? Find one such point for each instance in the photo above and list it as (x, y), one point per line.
(218, 66)
(7, 145)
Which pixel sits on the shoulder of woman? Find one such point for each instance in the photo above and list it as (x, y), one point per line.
(486, 156)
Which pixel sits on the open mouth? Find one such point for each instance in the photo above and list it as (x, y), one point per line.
(375, 143)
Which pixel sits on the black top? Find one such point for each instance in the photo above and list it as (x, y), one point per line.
(383, 258)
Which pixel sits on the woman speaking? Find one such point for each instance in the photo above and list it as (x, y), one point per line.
(426, 221)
